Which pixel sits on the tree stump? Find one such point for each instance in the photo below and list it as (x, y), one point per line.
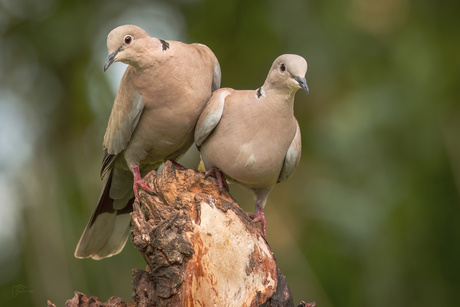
(200, 247)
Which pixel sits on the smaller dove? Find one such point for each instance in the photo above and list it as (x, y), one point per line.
(252, 136)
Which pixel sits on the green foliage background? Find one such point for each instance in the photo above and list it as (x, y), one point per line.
(371, 216)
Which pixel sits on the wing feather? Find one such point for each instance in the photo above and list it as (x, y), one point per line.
(126, 113)
(292, 158)
(210, 116)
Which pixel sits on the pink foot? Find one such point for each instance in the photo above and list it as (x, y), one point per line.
(220, 178)
(178, 165)
(138, 182)
(259, 216)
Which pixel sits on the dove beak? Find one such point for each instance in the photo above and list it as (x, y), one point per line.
(302, 83)
(110, 60)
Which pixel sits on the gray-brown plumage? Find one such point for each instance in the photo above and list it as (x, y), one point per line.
(252, 136)
(161, 95)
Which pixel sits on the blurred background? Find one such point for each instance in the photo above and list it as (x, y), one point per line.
(371, 216)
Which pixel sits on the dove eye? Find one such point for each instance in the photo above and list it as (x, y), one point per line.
(283, 67)
(128, 39)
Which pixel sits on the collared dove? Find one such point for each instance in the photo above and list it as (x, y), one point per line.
(161, 95)
(252, 136)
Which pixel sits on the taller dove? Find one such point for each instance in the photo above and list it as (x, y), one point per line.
(161, 95)
(252, 136)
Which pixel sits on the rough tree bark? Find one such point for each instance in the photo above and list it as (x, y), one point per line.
(200, 247)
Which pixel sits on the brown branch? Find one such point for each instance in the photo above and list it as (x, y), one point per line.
(200, 247)
(80, 300)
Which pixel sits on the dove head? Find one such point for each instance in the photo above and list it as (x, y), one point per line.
(124, 44)
(288, 73)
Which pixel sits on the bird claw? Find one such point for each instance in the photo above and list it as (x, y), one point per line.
(143, 185)
(138, 182)
(220, 178)
(259, 216)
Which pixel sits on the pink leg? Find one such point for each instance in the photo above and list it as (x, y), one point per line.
(220, 178)
(138, 182)
(259, 216)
